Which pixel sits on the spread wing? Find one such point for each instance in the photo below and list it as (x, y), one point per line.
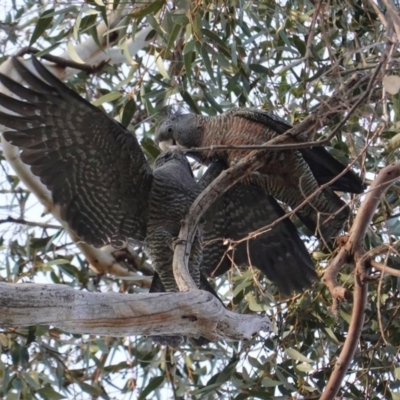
(94, 168)
(278, 253)
(323, 166)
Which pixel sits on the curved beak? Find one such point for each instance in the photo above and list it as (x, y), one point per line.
(166, 144)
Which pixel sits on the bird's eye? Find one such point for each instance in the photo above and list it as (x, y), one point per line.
(169, 130)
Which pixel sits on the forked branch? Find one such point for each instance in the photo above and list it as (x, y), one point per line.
(354, 252)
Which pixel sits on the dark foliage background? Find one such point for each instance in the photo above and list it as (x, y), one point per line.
(207, 56)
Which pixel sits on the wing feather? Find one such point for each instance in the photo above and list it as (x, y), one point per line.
(278, 253)
(323, 166)
(93, 166)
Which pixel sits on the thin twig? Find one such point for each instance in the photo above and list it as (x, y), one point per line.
(29, 223)
(384, 268)
(278, 143)
(393, 13)
(309, 42)
(379, 13)
(63, 62)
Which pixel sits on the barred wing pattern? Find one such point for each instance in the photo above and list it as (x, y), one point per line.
(323, 166)
(92, 165)
(286, 174)
(279, 253)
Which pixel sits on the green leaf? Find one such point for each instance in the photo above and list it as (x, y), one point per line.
(91, 389)
(73, 53)
(333, 337)
(24, 357)
(187, 60)
(153, 384)
(295, 355)
(395, 395)
(254, 362)
(58, 261)
(189, 47)
(304, 367)
(207, 63)
(17, 383)
(190, 102)
(129, 111)
(152, 8)
(107, 98)
(254, 304)
(171, 39)
(43, 23)
(215, 39)
(15, 351)
(150, 148)
(207, 389)
(300, 45)
(50, 394)
(30, 381)
(284, 379)
(212, 101)
(41, 330)
(225, 375)
(268, 382)
(77, 24)
(47, 50)
(394, 142)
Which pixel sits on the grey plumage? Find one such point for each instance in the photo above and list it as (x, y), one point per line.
(107, 192)
(290, 176)
(97, 172)
(173, 191)
(243, 210)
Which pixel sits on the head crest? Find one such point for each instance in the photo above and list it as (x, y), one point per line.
(167, 112)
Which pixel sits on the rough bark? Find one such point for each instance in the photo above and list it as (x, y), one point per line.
(195, 313)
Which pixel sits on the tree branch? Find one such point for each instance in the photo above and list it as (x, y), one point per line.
(353, 251)
(191, 314)
(384, 268)
(350, 344)
(220, 185)
(320, 116)
(29, 223)
(386, 177)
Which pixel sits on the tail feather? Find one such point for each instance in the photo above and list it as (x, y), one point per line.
(322, 164)
(325, 168)
(326, 226)
(278, 253)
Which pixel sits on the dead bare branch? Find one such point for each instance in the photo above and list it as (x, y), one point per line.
(191, 314)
